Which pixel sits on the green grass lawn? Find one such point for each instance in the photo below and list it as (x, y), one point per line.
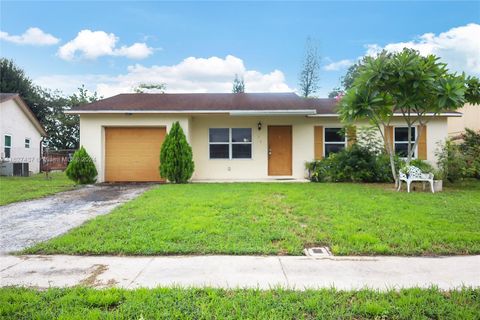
(13, 189)
(162, 303)
(282, 218)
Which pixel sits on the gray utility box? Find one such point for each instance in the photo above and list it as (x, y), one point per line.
(14, 169)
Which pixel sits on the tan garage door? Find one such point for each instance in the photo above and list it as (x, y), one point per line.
(133, 154)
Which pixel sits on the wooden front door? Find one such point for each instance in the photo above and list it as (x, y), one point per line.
(133, 154)
(279, 150)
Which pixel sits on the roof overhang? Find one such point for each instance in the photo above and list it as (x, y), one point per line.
(303, 112)
(444, 114)
(287, 112)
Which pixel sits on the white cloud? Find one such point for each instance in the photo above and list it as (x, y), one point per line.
(32, 36)
(338, 65)
(93, 44)
(458, 47)
(193, 74)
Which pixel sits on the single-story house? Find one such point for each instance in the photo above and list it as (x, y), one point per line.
(21, 136)
(234, 136)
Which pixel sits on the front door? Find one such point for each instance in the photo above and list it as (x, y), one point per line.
(279, 150)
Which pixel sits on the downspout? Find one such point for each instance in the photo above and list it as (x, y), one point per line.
(41, 154)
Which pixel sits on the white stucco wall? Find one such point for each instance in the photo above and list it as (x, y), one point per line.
(196, 128)
(14, 122)
(257, 167)
(92, 131)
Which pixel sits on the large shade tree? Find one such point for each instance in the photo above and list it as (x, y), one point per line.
(415, 86)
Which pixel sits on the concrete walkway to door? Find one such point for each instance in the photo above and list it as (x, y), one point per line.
(240, 271)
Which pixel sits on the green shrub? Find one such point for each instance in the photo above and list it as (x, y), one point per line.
(451, 161)
(176, 163)
(354, 164)
(81, 168)
(470, 149)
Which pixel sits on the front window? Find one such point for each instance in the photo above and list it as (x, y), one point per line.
(7, 146)
(27, 143)
(401, 141)
(230, 143)
(334, 141)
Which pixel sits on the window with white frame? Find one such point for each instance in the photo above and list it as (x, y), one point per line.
(334, 141)
(400, 138)
(7, 146)
(27, 143)
(230, 143)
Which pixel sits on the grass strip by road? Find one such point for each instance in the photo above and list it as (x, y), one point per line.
(176, 303)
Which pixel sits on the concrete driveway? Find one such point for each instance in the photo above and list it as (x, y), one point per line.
(23, 224)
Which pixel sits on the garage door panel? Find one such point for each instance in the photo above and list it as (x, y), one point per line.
(133, 154)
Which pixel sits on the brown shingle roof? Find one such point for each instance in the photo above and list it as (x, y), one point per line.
(209, 102)
(7, 96)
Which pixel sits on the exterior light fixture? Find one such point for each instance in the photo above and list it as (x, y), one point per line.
(259, 125)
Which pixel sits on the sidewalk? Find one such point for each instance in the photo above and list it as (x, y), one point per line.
(240, 271)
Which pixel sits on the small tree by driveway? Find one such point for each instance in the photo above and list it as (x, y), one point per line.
(176, 163)
(415, 86)
(81, 168)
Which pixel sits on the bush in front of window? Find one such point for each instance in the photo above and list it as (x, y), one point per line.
(354, 164)
(176, 159)
(81, 168)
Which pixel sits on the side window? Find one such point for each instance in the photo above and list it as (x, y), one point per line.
(7, 146)
(401, 141)
(334, 141)
(27, 143)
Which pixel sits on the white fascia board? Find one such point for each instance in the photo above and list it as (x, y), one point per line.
(230, 112)
(145, 111)
(446, 114)
(304, 112)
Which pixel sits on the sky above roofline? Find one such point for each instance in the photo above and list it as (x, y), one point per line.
(111, 47)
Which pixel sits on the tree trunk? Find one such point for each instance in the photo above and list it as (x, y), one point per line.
(391, 155)
(414, 145)
(409, 148)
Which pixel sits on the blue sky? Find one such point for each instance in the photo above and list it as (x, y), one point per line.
(200, 46)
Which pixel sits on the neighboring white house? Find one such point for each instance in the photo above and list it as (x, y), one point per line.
(242, 136)
(21, 133)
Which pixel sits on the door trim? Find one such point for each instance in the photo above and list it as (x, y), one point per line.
(290, 159)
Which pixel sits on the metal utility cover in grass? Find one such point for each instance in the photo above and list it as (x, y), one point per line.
(318, 252)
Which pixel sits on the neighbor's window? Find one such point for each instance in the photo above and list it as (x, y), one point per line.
(27, 143)
(334, 141)
(230, 143)
(401, 141)
(7, 146)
